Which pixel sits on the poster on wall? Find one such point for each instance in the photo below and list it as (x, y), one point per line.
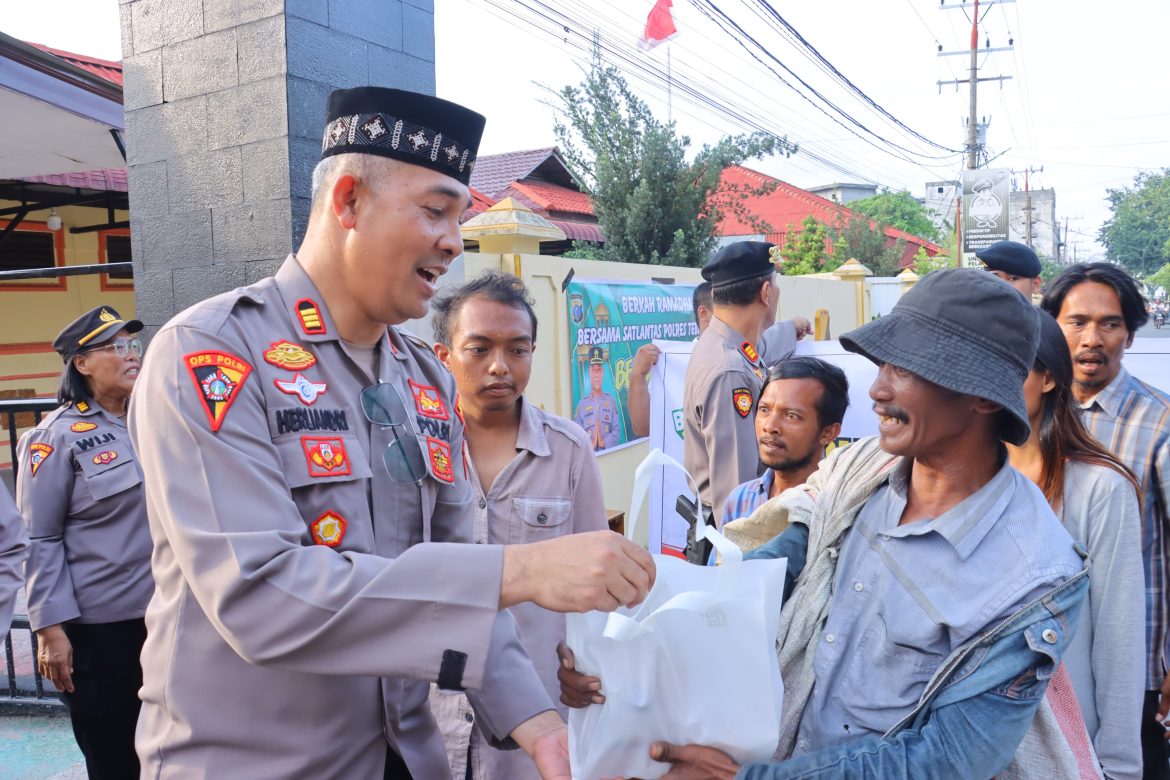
(608, 322)
(986, 192)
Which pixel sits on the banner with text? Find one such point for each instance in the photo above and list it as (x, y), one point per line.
(608, 322)
(985, 210)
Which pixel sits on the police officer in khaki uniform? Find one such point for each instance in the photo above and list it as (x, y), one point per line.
(1015, 263)
(725, 373)
(598, 412)
(79, 488)
(308, 496)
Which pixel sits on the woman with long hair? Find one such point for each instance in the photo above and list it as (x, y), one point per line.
(1096, 497)
(79, 488)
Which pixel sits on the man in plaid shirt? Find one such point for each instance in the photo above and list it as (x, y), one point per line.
(1099, 307)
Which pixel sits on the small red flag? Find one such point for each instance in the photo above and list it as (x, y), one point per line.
(659, 25)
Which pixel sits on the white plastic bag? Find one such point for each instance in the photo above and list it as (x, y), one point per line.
(693, 664)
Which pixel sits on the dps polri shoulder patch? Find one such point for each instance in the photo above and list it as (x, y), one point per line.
(218, 376)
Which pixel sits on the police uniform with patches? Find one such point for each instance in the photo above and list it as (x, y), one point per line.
(599, 411)
(294, 575)
(723, 380)
(79, 487)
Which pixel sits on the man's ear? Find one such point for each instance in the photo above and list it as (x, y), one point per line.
(443, 353)
(343, 200)
(983, 406)
(829, 434)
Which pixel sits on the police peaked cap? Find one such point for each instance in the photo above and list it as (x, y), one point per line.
(95, 327)
(418, 129)
(739, 261)
(1012, 258)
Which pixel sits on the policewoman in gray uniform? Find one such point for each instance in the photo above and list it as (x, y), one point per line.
(79, 487)
(308, 495)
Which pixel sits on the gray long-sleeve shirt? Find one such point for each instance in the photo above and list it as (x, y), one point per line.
(13, 551)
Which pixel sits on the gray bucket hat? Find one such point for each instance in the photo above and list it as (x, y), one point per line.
(964, 330)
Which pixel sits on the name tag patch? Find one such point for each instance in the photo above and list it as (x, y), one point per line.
(326, 456)
(89, 442)
(218, 376)
(328, 529)
(297, 419)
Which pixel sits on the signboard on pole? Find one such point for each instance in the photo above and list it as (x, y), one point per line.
(608, 322)
(985, 210)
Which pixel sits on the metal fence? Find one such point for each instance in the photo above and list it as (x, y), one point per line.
(20, 655)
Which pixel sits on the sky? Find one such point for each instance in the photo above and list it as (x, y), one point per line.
(1088, 99)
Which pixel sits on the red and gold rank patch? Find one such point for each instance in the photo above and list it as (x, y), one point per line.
(326, 456)
(37, 453)
(218, 376)
(285, 354)
(742, 398)
(749, 352)
(309, 313)
(105, 458)
(428, 401)
(328, 529)
(459, 408)
(439, 453)
(82, 427)
(82, 406)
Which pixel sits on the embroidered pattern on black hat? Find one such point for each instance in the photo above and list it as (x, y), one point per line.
(383, 132)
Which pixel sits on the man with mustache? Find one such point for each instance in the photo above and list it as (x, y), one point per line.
(308, 501)
(533, 477)
(932, 589)
(1100, 308)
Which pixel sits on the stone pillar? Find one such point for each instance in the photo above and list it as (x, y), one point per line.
(853, 271)
(225, 103)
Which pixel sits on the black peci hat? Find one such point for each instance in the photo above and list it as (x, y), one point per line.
(739, 261)
(96, 326)
(1011, 257)
(418, 129)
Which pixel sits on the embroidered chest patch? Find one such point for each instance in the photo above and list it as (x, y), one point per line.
(303, 388)
(439, 453)
(326, 456)
(285, 354)
(742, 398)
(428, 401)
(328, 529)
(37, 453)
(82, 427)
(105, 458)
(218, 376)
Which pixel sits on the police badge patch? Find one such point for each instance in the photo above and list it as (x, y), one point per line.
(742, 398)
(218, 377)
(328, 529)
(105, 458)
(428, 401)
(37, 453)
(325, 456)
(82, 427)
(439, 454)
(285, 354)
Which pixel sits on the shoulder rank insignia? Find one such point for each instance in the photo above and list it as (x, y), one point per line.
(218, 377)
(83, 406)
(310, 316)
(742, 397)
(439, 453)
(285, 354)
(37, 453)
(82, 427)
(328, 529)
(428, 401)
(326, 456)
(105, 458)
(304, 389)
(749, 352)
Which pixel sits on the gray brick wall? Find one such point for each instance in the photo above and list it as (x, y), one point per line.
(224, 105)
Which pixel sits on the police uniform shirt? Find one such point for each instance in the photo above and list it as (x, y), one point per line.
(777, 342)
(722, 383)
(13, 551)
(551, 488)
(292, 572)
(80, 491)
(601, 411)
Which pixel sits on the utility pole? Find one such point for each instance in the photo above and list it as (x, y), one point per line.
(976, 132)
(1028, 204)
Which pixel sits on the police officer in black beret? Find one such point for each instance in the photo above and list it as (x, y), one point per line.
(1015, 263)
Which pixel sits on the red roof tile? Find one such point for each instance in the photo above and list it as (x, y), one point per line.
(479, 203)
(110, 71)
(581, 231)
(554, 198)
(494, 172)
(107, 179)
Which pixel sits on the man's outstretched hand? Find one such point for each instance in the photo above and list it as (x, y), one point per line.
(694, 762)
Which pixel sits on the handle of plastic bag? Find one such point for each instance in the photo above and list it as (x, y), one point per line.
(622, 627)
(728, 550)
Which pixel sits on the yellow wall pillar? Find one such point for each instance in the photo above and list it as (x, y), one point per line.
(853, 271)
(510, 229)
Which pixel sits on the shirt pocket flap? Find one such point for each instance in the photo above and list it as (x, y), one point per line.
(307, 460)
(109, 469)
(542, 512)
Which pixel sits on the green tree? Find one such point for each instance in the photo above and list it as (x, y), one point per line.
(1049, 270)
(924, 263)
(857, 237)
(653, 205)
(805, 248)
(1160, 278)
(900, 210)
(1137, 235)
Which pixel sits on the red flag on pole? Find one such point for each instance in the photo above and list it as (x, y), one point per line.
(659, 25)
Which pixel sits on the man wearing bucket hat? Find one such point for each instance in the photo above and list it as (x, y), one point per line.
(305, 481)
(937, 591)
